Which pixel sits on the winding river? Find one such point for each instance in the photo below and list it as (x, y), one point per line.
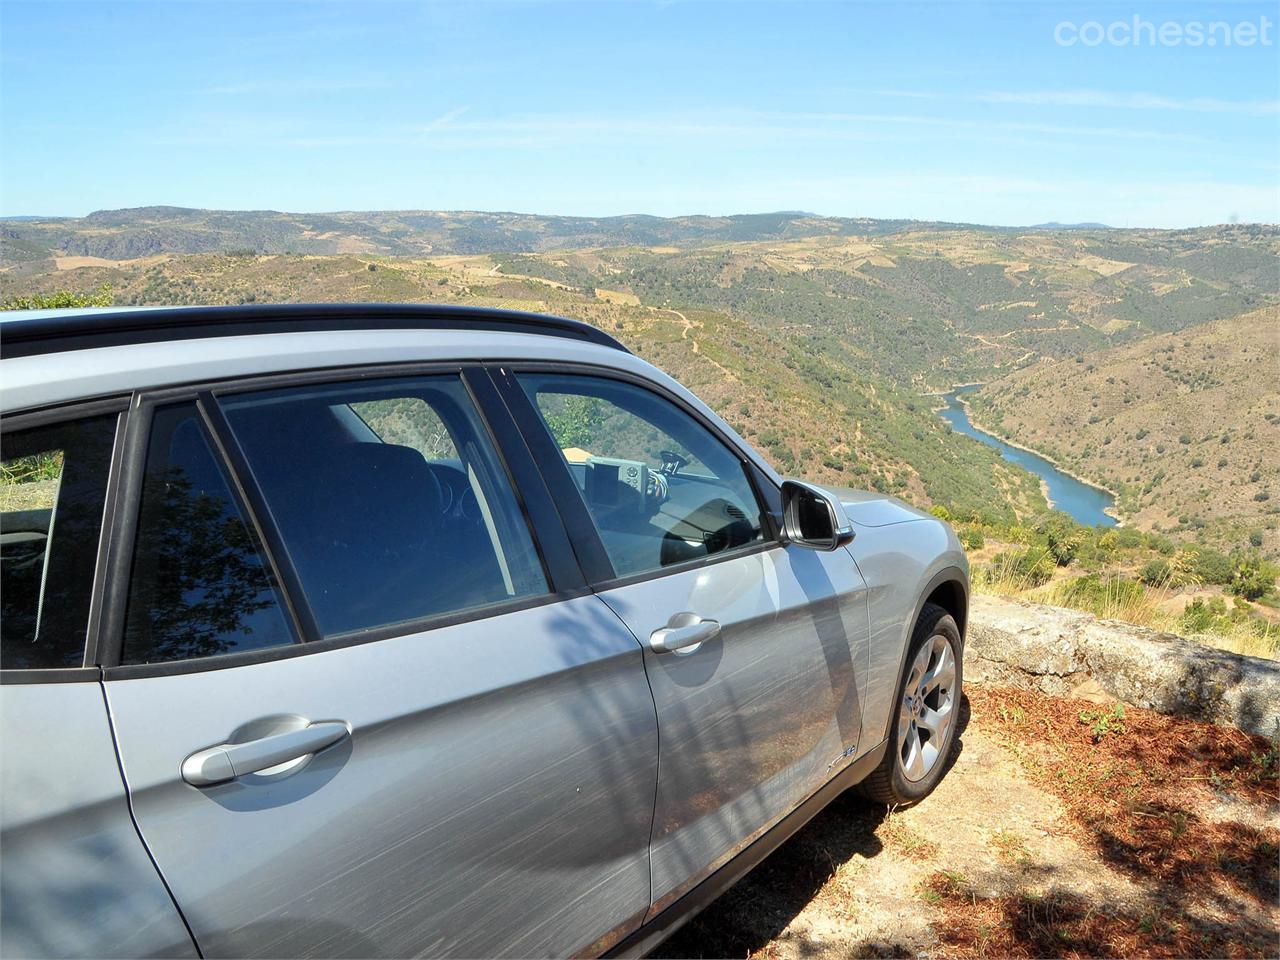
(1084, 503)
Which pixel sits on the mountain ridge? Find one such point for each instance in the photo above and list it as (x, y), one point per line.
(132, 232)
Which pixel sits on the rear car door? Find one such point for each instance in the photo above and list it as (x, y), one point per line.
(362, 707)
(755, 652)
(76, 879)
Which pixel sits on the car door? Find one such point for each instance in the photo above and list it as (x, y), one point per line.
(754, 651)
(361, 711)
(76, 880)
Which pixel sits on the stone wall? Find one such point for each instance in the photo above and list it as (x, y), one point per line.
(1065, 652)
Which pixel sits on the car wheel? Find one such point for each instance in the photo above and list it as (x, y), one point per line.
(925, 713)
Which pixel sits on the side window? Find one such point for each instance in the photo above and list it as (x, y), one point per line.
(200, 585)
(660, 488)
(390, 499)
(53, 483)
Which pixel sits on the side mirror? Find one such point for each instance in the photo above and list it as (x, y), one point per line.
(813, 518)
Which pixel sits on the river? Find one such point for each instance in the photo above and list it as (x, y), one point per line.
(1085, 504)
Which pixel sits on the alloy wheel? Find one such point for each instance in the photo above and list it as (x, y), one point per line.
(927, 709)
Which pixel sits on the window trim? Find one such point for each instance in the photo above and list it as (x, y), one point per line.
(577, 515)
(54, 416)
(246, 490)
(549, 538)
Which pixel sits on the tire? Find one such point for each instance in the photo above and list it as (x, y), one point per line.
(913, 763)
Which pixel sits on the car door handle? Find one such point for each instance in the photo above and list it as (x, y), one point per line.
(230, 760)
(683, 631)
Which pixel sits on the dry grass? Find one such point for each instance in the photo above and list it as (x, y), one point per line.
(1128, 602)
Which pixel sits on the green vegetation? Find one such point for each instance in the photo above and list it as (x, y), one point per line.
(1103, 723)
(1126, 574)
(60, 299)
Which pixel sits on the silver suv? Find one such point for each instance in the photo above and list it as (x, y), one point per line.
(386, 631)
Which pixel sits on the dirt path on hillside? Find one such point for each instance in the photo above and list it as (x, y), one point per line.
(861, 881)
(688, 325)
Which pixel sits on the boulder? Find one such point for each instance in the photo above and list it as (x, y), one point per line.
(1066, 652)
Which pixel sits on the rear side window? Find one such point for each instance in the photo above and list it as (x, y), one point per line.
(53, 483)
(201, 585)
(390, 498)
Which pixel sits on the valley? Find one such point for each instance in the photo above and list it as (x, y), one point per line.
(825, 341)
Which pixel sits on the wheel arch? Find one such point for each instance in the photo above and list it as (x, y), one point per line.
(947, 590)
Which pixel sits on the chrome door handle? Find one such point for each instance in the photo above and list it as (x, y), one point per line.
(230, 760)
(683, 631)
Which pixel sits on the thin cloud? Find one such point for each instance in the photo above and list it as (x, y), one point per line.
(1104, 99)
(290, 87)
(459, 129)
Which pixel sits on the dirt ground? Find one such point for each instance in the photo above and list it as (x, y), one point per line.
(1061, 829)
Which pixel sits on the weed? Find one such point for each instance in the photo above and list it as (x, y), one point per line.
(1011, 717)
(1104, 722)
(1010, 847)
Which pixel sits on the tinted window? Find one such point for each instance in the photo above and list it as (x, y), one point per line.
(53, 483)
(660, 487)
(390, 499)
(200, 584)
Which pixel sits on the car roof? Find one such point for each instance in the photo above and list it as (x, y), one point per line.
(150, 352)
(25, 333)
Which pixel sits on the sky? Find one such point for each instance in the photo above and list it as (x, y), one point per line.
(1005, 113)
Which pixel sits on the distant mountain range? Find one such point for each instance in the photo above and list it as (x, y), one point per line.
(146, 231)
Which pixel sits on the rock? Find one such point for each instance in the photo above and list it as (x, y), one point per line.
(1069, 653)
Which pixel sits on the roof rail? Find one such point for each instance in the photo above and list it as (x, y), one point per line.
(50, 332)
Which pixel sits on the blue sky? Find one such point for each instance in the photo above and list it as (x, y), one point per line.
(952, 111)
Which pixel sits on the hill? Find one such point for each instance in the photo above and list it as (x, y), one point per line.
(1185, 427)
(146, 231)
(808, 411)
(820, 338)
(944, 306)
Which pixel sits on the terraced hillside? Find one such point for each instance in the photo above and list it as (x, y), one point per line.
(1185, 427)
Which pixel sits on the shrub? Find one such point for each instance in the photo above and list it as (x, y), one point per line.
(1251, 577)
(60, 300)
(1210, 566)
(1063, 538)
(1155, 572)
(974, 540)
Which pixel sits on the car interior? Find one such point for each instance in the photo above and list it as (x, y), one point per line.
(379, 533)
(671, 493)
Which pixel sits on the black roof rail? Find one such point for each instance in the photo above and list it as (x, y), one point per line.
(82, 330)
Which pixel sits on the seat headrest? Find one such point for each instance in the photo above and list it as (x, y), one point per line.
(379, 494)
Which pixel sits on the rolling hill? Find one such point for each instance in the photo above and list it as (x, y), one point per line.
(821, 339)
(1185, 427)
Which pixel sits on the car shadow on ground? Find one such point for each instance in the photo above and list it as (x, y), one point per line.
(761, 906)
